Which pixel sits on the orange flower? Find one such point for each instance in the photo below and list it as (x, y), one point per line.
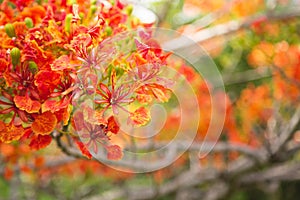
(9, 132)
(46, 81)
(44, 124)
(40, 141)
(20, 28)
(83, 149)
(115, 97)
(27, 104)
(112, 125)
(140, 117)
(8, 173)
(58, 62)
(7, 13)
(157, 91)
(114, 152)
(244, 8)
(261, 54)
(36, 13)
(3, 65)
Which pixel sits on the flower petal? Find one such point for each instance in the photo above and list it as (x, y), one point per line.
(140, 116)
(61, 63)
(112, 125)
(44, 124)
(114, 152)
(83, 149)
(40, 141)
(25, 103)
(9, 133)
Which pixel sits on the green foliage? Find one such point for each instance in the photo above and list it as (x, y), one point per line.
(4, 191)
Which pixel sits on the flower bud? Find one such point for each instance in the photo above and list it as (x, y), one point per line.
(93, 9)
(29, 23)
(32, 66)
(129, 9)
(81, 15)
(10, 30)
(108, 31)
(68, 21)
(15, 56)
(93, 2)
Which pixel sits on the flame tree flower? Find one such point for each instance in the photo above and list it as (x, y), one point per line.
(54, 59)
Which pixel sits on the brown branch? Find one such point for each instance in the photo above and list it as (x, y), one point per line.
(287, 132)
(203, 147)
(279, 172)
(67, 150)
(221, 187)
(172, 153)
(189, 179)
(241, 171)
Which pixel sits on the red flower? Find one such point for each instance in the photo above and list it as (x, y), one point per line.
(27, 104)
(140, 116)
(112, 125)
(80, 44)
(23, 79)
(96, 134)
(40, 141)
(114, 152)
(114, 97)
(83, 149)
(92, 129)
(44, 124)
(8, 106)
(46, 81)
(10, 132)
(150, 49)
(113, 14)
(154, 90)
(53, 57)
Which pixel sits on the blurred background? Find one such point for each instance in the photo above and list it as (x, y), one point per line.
(255, 47)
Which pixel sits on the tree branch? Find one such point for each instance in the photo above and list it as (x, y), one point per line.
(287, 132)
(279, 172)
(228, 28)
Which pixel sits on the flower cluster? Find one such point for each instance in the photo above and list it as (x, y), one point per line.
(283, 59)
(69, 68)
